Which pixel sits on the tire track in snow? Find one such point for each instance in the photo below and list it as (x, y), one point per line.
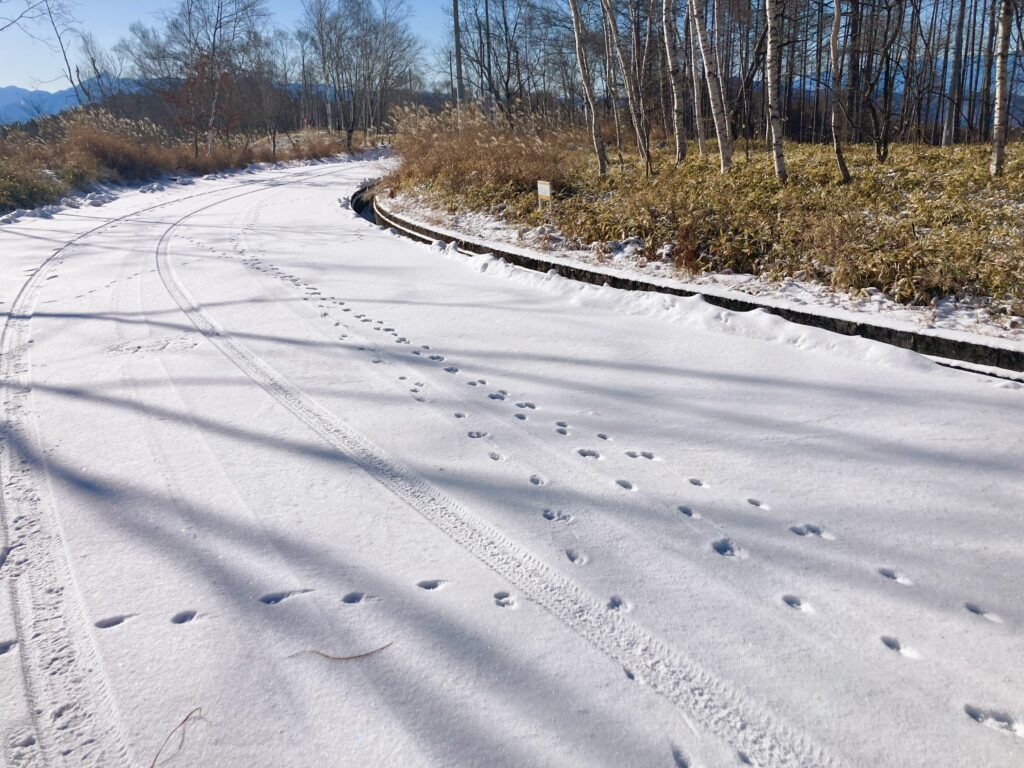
(69, 713)
(758, 737)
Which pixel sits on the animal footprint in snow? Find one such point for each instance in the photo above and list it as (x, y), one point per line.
(977, 610)
(575, 556)
(808, 529)
(451, 369)
(431, 584)
(640, 454)
(476, 434)
(6, 646)
(183, 617)
(625, 485)
(459, 415)
(496, 396)
(355, 598)
(504, 600)
(437, 358)
(562, 430)
(689, 512)
(894, 575)
(529, 405)
(796, 603)
(895, 645)
(759, 504)
(113, 621)
(557, 516)
(616, 603)
(495, 456)
(273, 598)
(698, 482)
(603, 436)
(538, 480)
(995, 719)
(728, 548)
(588, 453)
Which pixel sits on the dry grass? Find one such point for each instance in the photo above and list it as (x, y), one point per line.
(79, 147)
(929, 223)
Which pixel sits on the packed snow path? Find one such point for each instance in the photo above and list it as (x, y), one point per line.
(282, 488)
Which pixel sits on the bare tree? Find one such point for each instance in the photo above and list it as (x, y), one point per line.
(837, 92)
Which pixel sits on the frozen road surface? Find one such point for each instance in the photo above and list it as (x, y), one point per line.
(280, 488)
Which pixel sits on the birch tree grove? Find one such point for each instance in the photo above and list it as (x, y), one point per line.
(768, 71)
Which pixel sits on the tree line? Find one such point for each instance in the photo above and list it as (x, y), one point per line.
(739, 71)
(213, 70)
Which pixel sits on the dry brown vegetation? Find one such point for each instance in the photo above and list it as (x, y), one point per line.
(80, 147)
(928, 223)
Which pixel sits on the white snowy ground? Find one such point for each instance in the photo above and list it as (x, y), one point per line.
(966, 320)
(247, 431)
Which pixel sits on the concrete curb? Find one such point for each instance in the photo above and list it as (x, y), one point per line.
(925, 344)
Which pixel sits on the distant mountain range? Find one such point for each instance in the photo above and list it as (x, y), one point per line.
(18, 104)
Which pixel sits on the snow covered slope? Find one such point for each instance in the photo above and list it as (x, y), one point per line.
(282, 488)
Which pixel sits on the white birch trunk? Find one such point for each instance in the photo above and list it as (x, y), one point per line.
(773, 8)
(675, 76)
(1002, 104)
(588, 89)
(698, 97)
(714, 87)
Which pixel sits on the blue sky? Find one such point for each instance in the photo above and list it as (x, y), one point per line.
(31, 64)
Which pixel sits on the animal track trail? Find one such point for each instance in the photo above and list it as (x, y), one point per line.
(978, 610)
(504, 600)
(274, 598)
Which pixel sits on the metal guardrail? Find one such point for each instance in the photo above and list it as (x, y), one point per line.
(925, 344)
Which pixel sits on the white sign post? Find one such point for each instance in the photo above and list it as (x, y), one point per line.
(543, 193)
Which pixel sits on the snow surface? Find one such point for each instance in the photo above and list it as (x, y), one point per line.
(963, 319)
(283, 488)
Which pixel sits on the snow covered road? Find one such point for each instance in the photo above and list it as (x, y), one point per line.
(366, 502)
